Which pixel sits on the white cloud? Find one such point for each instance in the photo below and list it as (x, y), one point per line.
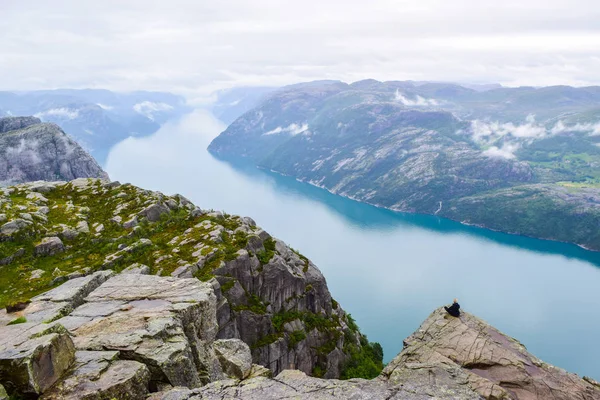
(149, 108)
(63, 112)
(292, 129)
(592, 129)
(104, 106)
(418, 101)
(506, 151)
(195, 47)
(485, 132)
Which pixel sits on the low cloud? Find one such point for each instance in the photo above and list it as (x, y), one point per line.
(487, 132)
(63, 112)
(592, 129)
(418, 102)
(149, 108)
(292, 129)
(104, 106)
(506, 151)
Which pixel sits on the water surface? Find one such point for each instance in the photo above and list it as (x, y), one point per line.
(388, 269)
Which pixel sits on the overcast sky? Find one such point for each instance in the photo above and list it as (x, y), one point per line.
(195, 46)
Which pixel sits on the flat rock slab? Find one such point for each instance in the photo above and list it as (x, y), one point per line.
(59, 301)
(100, 375)
(168, 324)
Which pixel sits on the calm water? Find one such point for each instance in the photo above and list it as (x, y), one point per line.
(389, 270)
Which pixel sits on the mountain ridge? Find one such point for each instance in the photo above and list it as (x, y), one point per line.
(415, 151)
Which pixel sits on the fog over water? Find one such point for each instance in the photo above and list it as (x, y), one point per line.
(389, 270)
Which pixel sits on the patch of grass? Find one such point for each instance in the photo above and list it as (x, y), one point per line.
(20, 320)
(264, 256)
(295, 338)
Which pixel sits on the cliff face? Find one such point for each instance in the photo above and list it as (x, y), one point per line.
(31, 150)
(265, 294)
(131, 335)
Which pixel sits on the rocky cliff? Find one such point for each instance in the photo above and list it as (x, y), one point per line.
(506, 159)
(264, 293)
(136, 336)
(31, 150)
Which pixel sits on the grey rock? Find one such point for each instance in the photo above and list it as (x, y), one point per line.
(49, 247)
(36, 274)
(99, 375)
(154, 212)
(14, 226)
(3, 218)
(33, 357)
(130, 223)
(235, 357)
(11, 258)
(139, 269)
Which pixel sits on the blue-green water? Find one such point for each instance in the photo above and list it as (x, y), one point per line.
(390, 270)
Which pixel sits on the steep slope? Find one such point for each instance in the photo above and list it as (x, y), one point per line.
(267, 295)
(477, 157)
(31, 150)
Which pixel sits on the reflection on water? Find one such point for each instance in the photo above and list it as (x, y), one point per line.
(388, 269)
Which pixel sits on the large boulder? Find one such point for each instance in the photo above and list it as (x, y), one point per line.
(34, 357)
(99, 375)
(154, 212)
(235, 357)
(49, 246)
(168, 324)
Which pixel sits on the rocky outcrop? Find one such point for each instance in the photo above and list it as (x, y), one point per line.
(267, 295)
(31, 150)
(446, 358)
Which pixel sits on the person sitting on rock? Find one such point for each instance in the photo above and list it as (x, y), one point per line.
(454, 309)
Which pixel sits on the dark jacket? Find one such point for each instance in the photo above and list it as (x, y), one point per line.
(454, 310)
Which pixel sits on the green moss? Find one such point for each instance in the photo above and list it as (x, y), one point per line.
(20, 320)
(296, 337)
(226, 287)
(254, 305)
(266, 340)
(264, 256)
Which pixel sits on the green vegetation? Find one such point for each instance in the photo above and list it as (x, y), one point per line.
(264, 256)
(20, 320)
(178, 238)
(254, 305)
(366, 359)
(295, 338)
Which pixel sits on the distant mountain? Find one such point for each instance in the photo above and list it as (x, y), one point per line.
(97, 119)
(31, 150)
(231, 103)
(521, 160)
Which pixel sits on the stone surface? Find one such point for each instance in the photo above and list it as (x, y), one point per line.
(98, 375)
(168, 324)
(492, 363)
(49, 246)
(235, 357)
(33, 357)
(154, 212)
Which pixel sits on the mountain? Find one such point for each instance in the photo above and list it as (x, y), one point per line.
(97, 119)
(262, 291)
(231, 103)
(31, 150)
(519, 160)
